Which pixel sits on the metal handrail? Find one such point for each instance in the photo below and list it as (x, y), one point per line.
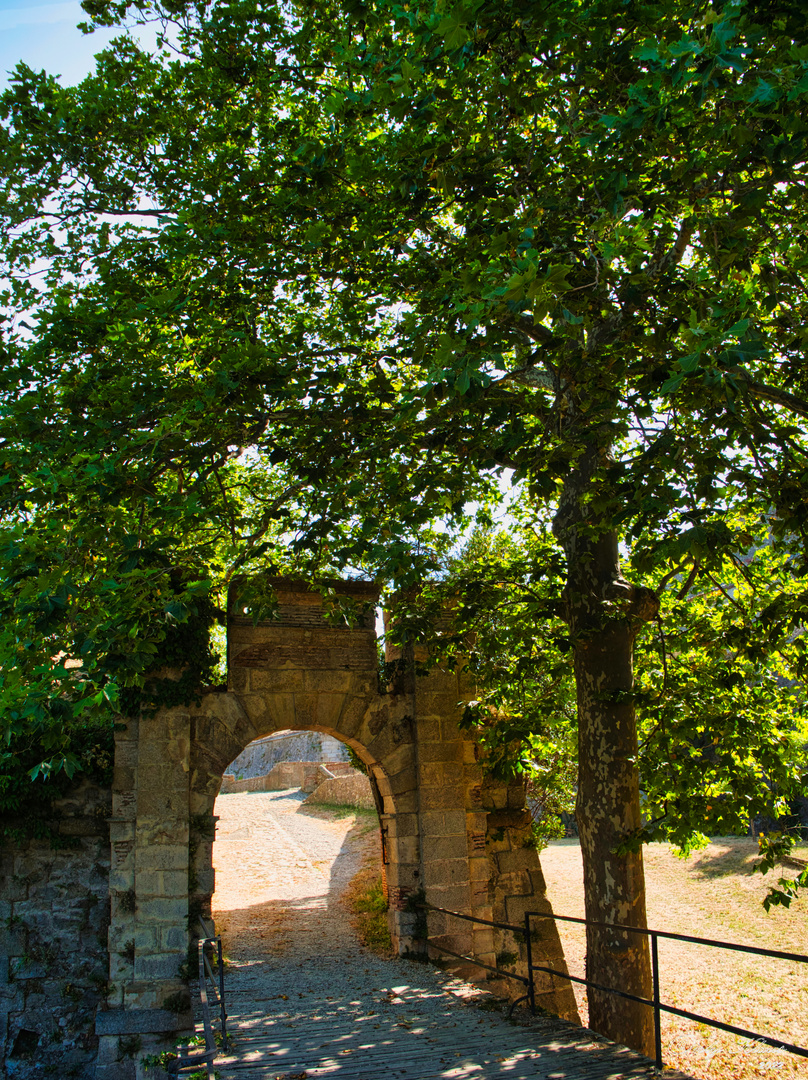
(209, 985)
(655, 1003)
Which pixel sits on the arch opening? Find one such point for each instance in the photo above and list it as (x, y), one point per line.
(298, 831)
(308, 766)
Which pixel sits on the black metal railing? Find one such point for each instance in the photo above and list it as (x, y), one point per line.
(654, 1002)
(211, 991)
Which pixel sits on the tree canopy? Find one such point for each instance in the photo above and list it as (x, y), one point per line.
(298, 288)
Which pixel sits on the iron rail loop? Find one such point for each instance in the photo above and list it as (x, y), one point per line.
(654, 1003)
(211, 991)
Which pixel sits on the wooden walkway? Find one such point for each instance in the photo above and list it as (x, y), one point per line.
(420, 1030)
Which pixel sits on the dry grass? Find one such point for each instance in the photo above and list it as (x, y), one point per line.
(364, 898)
(715, 894)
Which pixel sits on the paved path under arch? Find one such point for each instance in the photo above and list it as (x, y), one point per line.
(307, 1001)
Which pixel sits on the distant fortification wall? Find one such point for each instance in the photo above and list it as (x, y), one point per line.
(306, 775)
(260, 756)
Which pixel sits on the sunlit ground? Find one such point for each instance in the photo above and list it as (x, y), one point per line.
(713, 893)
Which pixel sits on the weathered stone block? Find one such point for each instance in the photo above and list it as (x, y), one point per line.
(108, 1048)
(444, 872)
(115, 1022)
(123, 776)
(510, 819)
(455, 773)
(163, 883)
(162, 966)
(121, 829)
(327, 682)
(399, 759)
(276, 680)
(408, 849)
(257, 709)
(161, 832)
(438, 682)
(471, 753)
(482, 938)
(455, 937)
(145, 938)
(124, 805)
(152, 749)
(428, 728)
(518, 859)
(439, 848)
(517, 902)
(443, 823)
(126, 753)
(403, 781)
(163, 909)
(432, 705)
(128, 728)
(240, 635)
(407, 801)
(352, 716)
(151, 993)
(433, 752)
(174, 939)
(516, 796)
(167, 856)
(479, 870)
(403, 879)
(442, 797)
(401, 825)
(121, 880)
(431, 775)
(453, 897)
(159, 797)
(238, 679)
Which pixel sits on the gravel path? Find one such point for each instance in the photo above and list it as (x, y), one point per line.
(307, 1001)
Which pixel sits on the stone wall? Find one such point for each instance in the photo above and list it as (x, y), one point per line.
(153, 841)
(305, 775)
(54, 912)
(350, 790)
(261, 755)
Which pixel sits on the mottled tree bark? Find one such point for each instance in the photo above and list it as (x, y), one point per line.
(604, 613)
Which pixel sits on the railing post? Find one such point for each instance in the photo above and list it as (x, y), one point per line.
(221, 992)
(657, 1014)
(531, 992)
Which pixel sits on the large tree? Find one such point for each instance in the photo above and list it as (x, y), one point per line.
(304, 281)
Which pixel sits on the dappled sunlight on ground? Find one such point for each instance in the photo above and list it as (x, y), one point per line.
(306, 999)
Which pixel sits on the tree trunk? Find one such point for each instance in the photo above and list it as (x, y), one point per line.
(604, 613)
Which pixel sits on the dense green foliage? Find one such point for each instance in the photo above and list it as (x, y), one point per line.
(26, 809)
(307, 280)
(720, 698)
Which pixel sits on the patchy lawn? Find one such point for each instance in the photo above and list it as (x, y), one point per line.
(714, 894)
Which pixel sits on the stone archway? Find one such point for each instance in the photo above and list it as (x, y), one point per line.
(452, 835)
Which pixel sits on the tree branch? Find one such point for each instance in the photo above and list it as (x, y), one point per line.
(770, 393)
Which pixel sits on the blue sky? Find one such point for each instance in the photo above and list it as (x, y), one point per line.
(44, 35)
